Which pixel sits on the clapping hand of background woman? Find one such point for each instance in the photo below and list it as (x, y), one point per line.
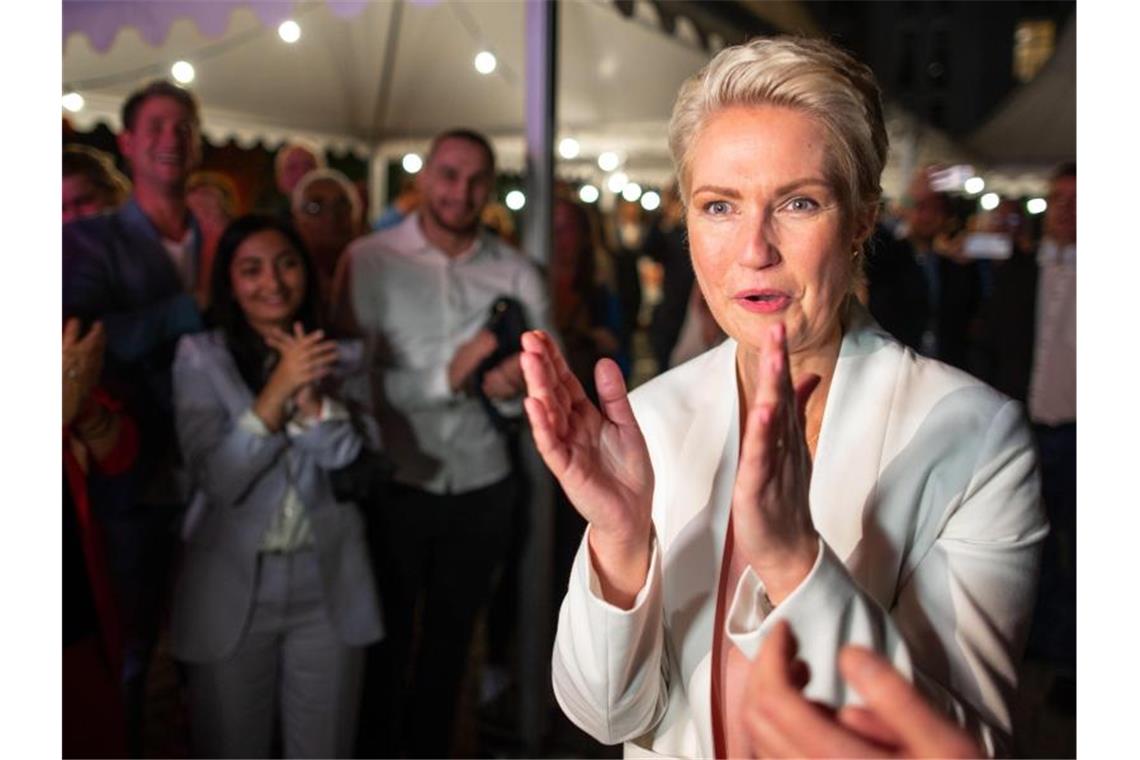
(304, 360)
(82, 365)
(599, 457)
(895, 721)
(772, 525)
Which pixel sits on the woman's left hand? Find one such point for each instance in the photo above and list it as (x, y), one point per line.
(772, 525)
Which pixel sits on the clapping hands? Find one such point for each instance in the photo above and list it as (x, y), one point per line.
(305, 359)
(598, 456)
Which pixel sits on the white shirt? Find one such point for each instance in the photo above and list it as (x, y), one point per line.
(416, 306)
(1053, 384)
(181, 257)
(290, 528)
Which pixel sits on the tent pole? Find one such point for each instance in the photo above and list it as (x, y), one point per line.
(535, 609)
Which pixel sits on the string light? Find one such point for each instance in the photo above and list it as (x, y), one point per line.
(974, 185)
(617, 181)
(289, 31)
(650, 201)
(182, 72)
(1036, 205)
(73, 102)
(608, 161)
(412, 163)
(515, 200)
(485, 62)
(569, 148)
(588, 194)
(631, 192)
(990, 201)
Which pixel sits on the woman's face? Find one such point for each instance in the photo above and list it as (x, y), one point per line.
(268, 278)
(767, 234)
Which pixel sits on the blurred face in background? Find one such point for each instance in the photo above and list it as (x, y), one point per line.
(569, 241)
(163, 145)
(1061, 213)
(926, 211)
(80, 198)
(455, 185)
(296, 164)
(268, 279)
(325, 222)
(208, 205)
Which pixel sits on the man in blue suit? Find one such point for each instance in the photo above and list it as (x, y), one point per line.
(137, 270)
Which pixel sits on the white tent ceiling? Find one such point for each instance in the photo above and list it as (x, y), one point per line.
(617, 78)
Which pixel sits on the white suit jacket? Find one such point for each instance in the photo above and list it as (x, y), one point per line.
(925, 493)
(240, 478)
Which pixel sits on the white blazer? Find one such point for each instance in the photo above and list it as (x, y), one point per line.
(925, 493)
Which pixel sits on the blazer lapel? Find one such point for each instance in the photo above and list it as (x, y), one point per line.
(856, 422)
(695, 522)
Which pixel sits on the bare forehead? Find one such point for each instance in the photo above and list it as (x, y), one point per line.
(164, 107)
(324, 186)
(461, 154)
(265, 244)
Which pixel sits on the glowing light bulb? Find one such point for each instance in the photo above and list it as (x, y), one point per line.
(73, 102)
(289, 31)
(974, 185)
(183, 72)
(412, 163)
(485, 62)
(631, 192)
(1036, 205)
(990, 201)
(569, 148)
(617, 181)
(650, 201)
(608, 161)
(515, 200)
(588, 194)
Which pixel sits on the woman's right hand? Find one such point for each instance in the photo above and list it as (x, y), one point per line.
(599, 458)
(304, 360)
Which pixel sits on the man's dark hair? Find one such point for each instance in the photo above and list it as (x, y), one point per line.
(159, 88)
(462, 133)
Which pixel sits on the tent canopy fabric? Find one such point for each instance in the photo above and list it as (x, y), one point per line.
(381, 78)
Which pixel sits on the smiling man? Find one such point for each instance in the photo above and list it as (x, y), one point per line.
(421, 293)
(136, 270)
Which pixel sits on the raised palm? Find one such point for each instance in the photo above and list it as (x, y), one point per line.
(598, 455)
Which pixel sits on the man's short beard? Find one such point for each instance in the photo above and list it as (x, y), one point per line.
(470, 229)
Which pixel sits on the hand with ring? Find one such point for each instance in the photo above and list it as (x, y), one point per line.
(82, 365)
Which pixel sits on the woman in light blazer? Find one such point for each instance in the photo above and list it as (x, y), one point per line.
(809, 469)
(275, 599)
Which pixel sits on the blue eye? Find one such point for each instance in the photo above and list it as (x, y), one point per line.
(717, 208)
(801, 204)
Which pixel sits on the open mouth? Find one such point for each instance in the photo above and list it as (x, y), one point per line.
(763, 301)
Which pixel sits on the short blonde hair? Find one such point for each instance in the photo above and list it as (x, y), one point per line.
(812, 76)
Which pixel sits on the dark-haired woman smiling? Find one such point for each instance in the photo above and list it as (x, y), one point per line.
(275, 599)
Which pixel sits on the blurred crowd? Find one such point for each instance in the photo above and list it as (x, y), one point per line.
(223, 365)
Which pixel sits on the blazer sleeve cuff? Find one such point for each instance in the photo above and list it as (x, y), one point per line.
(594, 584)
(826, 611)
